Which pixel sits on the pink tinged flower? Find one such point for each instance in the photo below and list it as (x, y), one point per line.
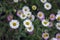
(19, 12)
(50, 24)
(10, 17)
(52, 17)
(40, 15)
(45, 35)
(58, 36)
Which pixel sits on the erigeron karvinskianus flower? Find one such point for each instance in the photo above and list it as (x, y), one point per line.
(52, 17)
(14, 24)
(32, 17)
(45, 35)
(9, 17)
(45, 22)
(58, 17)
(58, 26)
(28, 13)
(27, 23)
(25, 9)
(19, 12)
(58, 36)
(47, 6)
(40, 15)
(30, 29)
(34, 7)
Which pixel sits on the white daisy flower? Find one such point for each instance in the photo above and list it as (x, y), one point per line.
(30, 29)
(25, 9)
(32, 17)
(14, 24)
(27, 23)
(58, 26)
(19, 12)
(47, 6)
(28, 14)
(45, 22)
(23, 16)
(43, 1)
(58, 17)
(40, 15)
(45, 35)
(15, 1)
(53, 39)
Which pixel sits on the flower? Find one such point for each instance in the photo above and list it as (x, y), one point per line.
(53, 39)
(43, 1)
(15, 1)
(58, 17)
(25, 9)
(58, 36)
(27, 23)
(23, 16)
(52, 17)
(14, 24)
(10, 17)
(58, 26)
(19, 12)
(45, 22)
(47, 6)
(28, 14)
(40, 15)
(34, 7)
(50, 24)
(30, 29)
(45, 35)
(32, 17)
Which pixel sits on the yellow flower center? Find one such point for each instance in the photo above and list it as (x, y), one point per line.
(58, 37)
(28, 14)
(45, 35)
(47, 6)
(58, 18)
(30, 18)
(20, 13)
(43, 0)
(23, 15)
(14, 24)
(59, 25)
(40, 15)
(45, 22)
(51, 16)
(25, 9)
(30, 28)
(27, 23)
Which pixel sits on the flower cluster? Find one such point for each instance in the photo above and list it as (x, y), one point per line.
(47, 5)
(26, 15)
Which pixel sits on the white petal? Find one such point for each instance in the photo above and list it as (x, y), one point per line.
(43, 1)
(15, 0)
(57, 26)
(53, 39)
